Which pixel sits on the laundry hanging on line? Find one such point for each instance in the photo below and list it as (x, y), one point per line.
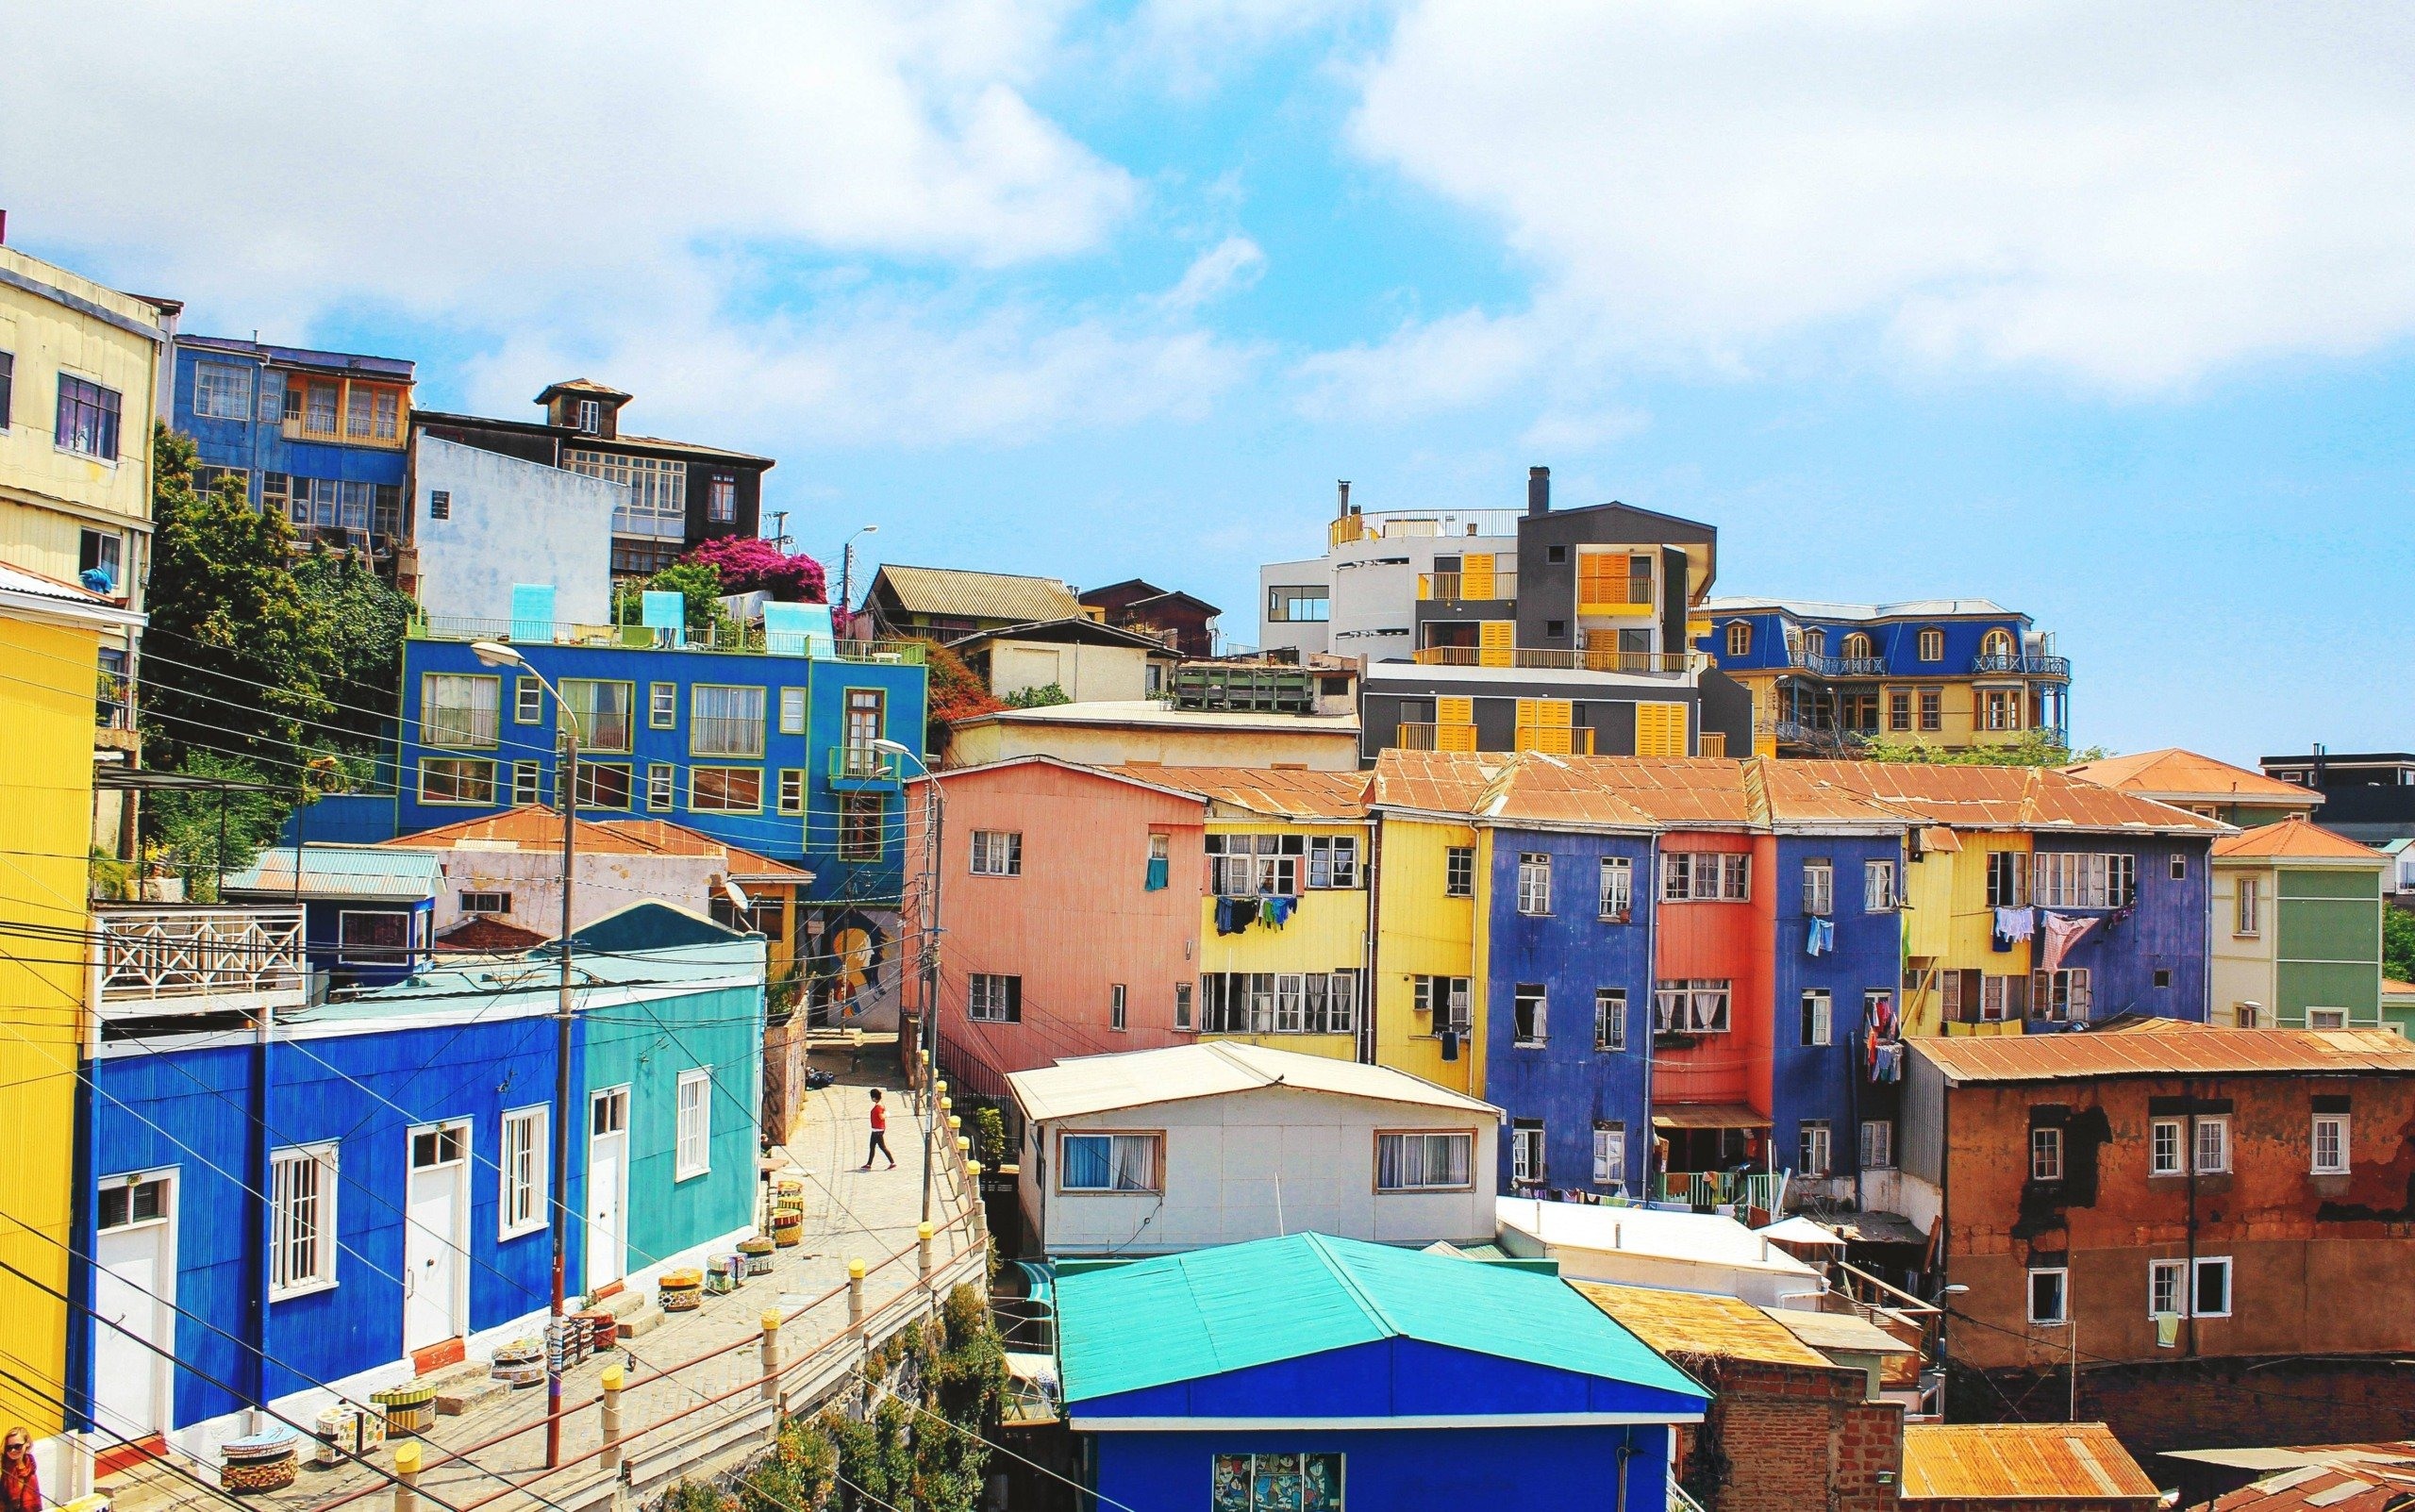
(2062, 932)
(1233, 915)
(2013, 926)
(1822, 937)
(1275, 912)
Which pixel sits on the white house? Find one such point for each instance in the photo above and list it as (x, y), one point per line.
(483, 521)
(1648, 1247)
(1221, 1142)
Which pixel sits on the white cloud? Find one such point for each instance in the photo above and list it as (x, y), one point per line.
(2136, 195)
(1425, 367)
(1233, 263)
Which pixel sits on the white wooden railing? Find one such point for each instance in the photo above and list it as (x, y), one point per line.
(198, 960)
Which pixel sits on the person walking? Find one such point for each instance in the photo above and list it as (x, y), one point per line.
(879, 1134)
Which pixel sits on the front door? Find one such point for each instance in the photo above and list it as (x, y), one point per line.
(436, 1269)
(133, 1300)
(608, 1188)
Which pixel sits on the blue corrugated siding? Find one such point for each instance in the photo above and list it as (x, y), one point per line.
(1827, 1082)
(2166, 931)
(260, 446)
(1567, 1083)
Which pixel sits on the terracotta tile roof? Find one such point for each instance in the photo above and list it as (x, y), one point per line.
(1282, 794)
(2027, 1461)
(2003, 797)
(2173, 775)
(2334, 1477)
(537, 827)
(1693, 1322)
(1008, 596)
(2297, 839)
(2166, 1048)
(484, 935)
(1445, 782)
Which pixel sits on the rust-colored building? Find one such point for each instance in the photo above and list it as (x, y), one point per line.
(2022, 1467)
(1186, 622)
(2225, 1216)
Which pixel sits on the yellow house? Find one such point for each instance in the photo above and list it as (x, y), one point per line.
(1432, 889)
(1298, 840)
(51, 638)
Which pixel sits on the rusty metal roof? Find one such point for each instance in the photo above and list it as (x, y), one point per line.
(1693, 1322)
(2165, 1048)
(2175, 776)
(2004, 798)
(1009, 597)
(1434, 782)
(1281, 793)
(537, 827)
(2297, 839)
(2028, 1461)
(2334, 1477)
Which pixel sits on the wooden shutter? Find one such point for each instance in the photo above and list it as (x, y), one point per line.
(1455, 724)
(1543, 724)
(1475, 576)
(1660, 729)
(1496, 641)
(1601, 579)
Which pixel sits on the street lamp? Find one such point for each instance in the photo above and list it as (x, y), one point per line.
(496, 654)
(928, 1019)
(847, 564)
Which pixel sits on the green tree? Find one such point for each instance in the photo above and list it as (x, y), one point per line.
(2035, 748)
(698, 583)
(365, 620)
(2397, 944)
(1048, 695)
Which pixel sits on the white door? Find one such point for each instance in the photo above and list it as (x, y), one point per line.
(135, 1291)
(436, 1272)
(608, 1188)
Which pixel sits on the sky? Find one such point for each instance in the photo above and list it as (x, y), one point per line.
(2100, 312)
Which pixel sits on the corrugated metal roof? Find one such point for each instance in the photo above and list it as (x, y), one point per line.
(1278, 794)
(1083, 1085)
(2168, 1049)
(2173, 776)
(1696, 1322)
(1847, 1333)
(2003, 797)
(537, 827)
(1006, 596)
(342, 872)
(1705, 1238)
(2339, 1477)
(1434, 782)
(2297, 839)
(1147, 713)
(1183, 1316)
(1825, 609)
(2080, 1461)
(673, 968)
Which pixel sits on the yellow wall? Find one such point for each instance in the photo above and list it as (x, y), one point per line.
(2243, 964)
(1958, 713)
(1323, 746)
(1947, 918)
(45, 821)
(1328, 932)
(1422, 933)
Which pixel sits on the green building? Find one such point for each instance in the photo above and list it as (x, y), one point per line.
(2297, 929)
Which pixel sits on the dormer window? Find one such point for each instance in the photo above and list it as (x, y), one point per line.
(1856, 647)
(1740, 637)
(1932, 645)
(1996, 643)
(591, 417)
(1815, 640)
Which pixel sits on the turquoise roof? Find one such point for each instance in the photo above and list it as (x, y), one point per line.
(1184, 1316)
(342, 872)
(535, 981)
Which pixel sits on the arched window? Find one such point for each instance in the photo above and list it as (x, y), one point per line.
(1740, 637)
(1856, 647)
(1815, 640)
(1932, 645)
(1996, 643)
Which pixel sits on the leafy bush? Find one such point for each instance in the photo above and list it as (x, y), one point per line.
(749, 564)
(1048, 695)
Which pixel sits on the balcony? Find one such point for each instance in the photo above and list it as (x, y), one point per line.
(1613, 595)
(156, 962)
(1451, 588)
(1820, 664)
(1434, 738)
(2022, 666)
(744, 639)
(861, 766)
(1651, 662)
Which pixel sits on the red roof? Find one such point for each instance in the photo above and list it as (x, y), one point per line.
(537, 827)
(2166, 1047)
(2297, 839)
(2175, 776)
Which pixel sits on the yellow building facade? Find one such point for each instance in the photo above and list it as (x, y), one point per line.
(1432, 887)
(1950, 959)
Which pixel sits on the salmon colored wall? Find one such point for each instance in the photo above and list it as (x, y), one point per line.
(1078, 919)
(1719, 939)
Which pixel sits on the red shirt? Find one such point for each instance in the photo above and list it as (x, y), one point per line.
(880, 1118)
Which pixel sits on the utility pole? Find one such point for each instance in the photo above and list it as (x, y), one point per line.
(780, 524)
(568, 776)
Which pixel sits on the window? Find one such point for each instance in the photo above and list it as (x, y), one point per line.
(2008, 880)
(2163, 976)
(2251, 907)
(1819, 887)
(1277, 1483)
(1609, 1155)
(102, 551)
(1107, 1162)
(130, 1202)
(222, 392)
(446, 1145)
(2120, 881)
(455, 781)
(1817, 1018)
(721, 499)
(726, 789)
(1244, 866)
(862, 826)
(1704, 876)
(1424, 1161)
(527, 700)
(591, 417)
(2213, 1145)
(791, 790)
(2046, 1291)
(1333, 862)
(302, 1221)
(600, 711)
(1932, 645)
(455, 710)
(792, 711)
(318, 407)
(1856, 648)
(2330, 1144)
(696, 1123)
(1182, 1006)
(1877, 1144)
(658, 502)
(1447, 999)
(1299, 605)
(2000, 998)
(1534, 882)
(661, 706)
(866, 708)
(1155, 876)
(87, 419)
(662, 787)
(527, 782)
(1811, 1146)
(1286, 1003)
(208, 477)
(373, 938)
(2060, 996)
(7, 386)
(1740, 637)
(2180, 868)
(1618, 890)
(371, 414)
(1458, 871)
(2163, 1287)
(602, 786)
(485, 902)
(1528, 1012)
(997, 852)
(1696, 1006)
(1609, 1017)
(2045, 1154)
(990, 998)
(1816, 641)
(2000, 708)
(1899, 709)
(1527, 1152)
(724, 722)
(525, 1171)
(2075, 879)
(2212, 1294)
(1877, 886)
(1932, 709)
(2163, 1147)
(2327, 1017)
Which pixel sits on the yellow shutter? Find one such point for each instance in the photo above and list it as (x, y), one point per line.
(1601, 578)
(1543, 724)
(1475, 576)
(1660, 729)
(1455, 737)
(1496, 641)
(1455, 711)
(1455, 724)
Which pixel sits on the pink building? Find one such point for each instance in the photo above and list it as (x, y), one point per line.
(1070, 924)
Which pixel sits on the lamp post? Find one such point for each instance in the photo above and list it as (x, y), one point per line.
(847, 566)
(496, 654)
(928, 955)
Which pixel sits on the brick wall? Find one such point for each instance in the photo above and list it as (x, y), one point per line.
(1797, 1440)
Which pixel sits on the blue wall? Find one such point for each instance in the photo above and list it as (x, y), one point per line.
(262, 446)
(1567, 1083)
(2166, 931)
(809, 839)
(1809, 1082)
(1895, 642)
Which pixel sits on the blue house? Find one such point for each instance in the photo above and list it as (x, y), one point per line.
(1310, 1373)
(320, 437)
(1829, 990)
(367, 914)
(364, 1193)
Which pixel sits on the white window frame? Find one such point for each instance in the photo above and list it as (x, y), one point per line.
(790, 797)
(1815, 1147)
(2216, 1125)
(1610, 1019)
(1540, 996)
(1819, 887)
(484, 899)
(1618, 888)
(525, 1170)
(662, 787)
(1415, 1173)
(2230, 1283)
(1333, 862)
(2063, 1296)
(1459, 880)
(527, 783)
(2335, 1162)
(2046, 1161)
(1534, 882)
(1117, 1140)
(527, 700)
(285, 1166)
(1819, 1008)
(1877, 1144)
(663, 706)
(217, 385)
(989, 998)
(2165, 1158)
(1702, 1005)
(1609, 1155)
(2178, 1272)
(693, 1152)
(997, 852)
(1529, 1160)
(2329, 1018)
(1878, 892)
(2248, 922)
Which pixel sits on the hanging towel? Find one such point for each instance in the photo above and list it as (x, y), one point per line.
(2012, 927)
(2062, 932)
(1822, 937)
(2167, 1330)
(1450, 1044)
(1891, 1062)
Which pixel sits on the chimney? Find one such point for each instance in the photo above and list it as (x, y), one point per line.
(4, 228)
(1538, 491)
(1344, 487)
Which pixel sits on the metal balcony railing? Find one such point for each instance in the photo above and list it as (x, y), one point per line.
(1451, 588)
(1658, 662)
(159, 960)
(1613, 595)
(862, 763)
(1820, 664)
(2027, 666)
(738, 640)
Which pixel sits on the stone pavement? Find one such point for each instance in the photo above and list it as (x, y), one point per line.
(850, 1214)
